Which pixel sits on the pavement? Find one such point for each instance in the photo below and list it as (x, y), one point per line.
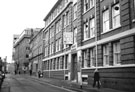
(61, 83)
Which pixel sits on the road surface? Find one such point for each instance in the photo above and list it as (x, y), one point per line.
(21, 83)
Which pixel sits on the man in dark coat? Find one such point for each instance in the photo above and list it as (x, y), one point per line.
(96, 78)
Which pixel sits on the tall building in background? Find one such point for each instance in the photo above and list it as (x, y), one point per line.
(21, 46)
(36, 52)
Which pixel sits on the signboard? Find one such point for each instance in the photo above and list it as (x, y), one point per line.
(68, 37)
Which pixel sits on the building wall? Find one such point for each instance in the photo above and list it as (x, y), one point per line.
(117, 65)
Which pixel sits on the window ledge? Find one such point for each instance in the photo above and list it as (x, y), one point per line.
(111, 30)
(88, 39)
(88, 10)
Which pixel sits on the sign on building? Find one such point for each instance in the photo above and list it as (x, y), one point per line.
(68, 37)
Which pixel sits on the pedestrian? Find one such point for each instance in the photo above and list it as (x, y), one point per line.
(30, 72)
(96, 79)
(39, 72)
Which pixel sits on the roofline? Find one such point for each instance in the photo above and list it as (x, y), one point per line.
(54, 6)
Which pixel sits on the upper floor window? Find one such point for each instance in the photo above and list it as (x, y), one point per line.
(67, 18)
(75, 35)
(46, 51)
(85, 5)
(106, 54)
(75, 11)
(106, 21)
(64, 21)
(86, 34)
(51, 32)
(92, 27)
(116, 16)
(116, 53)
(46, 36)
(92, 3)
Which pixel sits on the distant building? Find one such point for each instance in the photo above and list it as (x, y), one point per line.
(36, 52)
(21, 46)
(10, 68)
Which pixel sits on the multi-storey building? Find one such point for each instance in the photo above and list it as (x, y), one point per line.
(21, 53)
(57, 21)
(14, 55)
(103, 37)
(36, 45)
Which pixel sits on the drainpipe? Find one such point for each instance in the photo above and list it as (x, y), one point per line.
(96, 33)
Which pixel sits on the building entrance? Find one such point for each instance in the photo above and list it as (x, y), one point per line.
(74, 68)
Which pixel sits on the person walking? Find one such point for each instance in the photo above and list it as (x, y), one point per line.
(96, 78)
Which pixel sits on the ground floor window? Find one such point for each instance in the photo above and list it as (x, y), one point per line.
(116, 53)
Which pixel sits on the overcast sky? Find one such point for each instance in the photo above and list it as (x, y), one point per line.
(15, 16)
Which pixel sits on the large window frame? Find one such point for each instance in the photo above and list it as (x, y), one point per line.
(86, 29)
(92, 3)
(116, 16)
(92, 27)
(75, 35)
(86, 5)
(75, 11)
(116, 53)
(106, 55)
(106, 21)
(92, 57)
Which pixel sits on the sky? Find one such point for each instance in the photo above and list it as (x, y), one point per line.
(17, 15)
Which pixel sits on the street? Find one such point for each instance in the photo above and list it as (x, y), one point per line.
(23, 83)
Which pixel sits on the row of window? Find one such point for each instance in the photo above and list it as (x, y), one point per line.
(88, 4)
(89, 55)
(114, 17)
(59, 8)
(56, 63)
(88, 59)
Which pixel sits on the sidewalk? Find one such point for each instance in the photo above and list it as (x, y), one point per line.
(5, 86)
(74, 86)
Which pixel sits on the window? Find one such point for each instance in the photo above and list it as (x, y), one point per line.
(57, 28)
(85, 5)
(60, 25)
(92, 58)
(92, 27)
(75, 11)
(60, 44)
(116, 53)
(106, 21)
(58, 61)
(51, 48)
(66, 61)
(116, 16)
(57, 45)
(91, 3)
(106, 55)
(51, 32)
(64, 21)
(46, 51)
(85, 58)
(67, 18)
(134, 8)
(46, 36)
(62, 62)
(75, 35)
(86, 34)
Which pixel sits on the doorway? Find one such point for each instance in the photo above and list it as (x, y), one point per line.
(74, 67)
